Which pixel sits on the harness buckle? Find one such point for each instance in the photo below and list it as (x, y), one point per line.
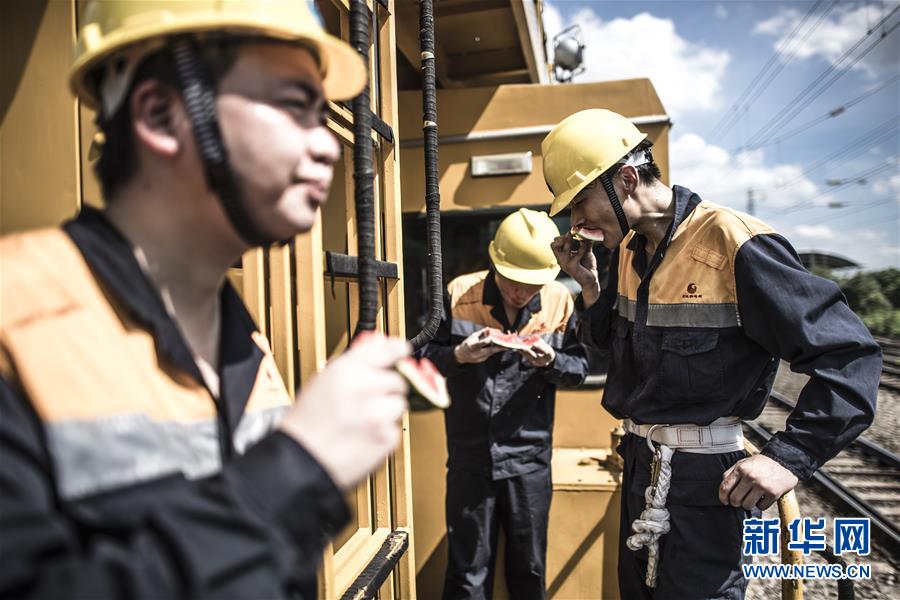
(656, 463)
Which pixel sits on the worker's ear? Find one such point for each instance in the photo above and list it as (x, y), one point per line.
(152, 106)
(629, 179)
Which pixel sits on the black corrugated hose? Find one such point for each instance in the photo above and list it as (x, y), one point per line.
(432, 191)
(363, 176)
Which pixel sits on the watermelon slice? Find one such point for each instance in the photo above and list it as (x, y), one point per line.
(529, 340)
(427, 387)
(583, 233)
(511, 340)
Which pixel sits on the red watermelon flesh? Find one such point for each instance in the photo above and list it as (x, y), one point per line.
(530, 340)
(584, 233)
(427, 387)
(511, 340)
(506, 340)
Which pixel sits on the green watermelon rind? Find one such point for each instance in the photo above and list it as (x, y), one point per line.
(418, 401)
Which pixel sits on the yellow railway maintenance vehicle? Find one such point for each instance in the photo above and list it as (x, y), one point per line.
(495, 102)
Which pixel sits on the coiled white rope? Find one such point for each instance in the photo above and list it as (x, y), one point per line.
(654, 520)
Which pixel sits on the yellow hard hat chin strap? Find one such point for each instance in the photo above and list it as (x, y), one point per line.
(635, 160)
(606, 180)
(200, 103)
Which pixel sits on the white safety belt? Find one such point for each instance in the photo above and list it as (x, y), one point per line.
(721, 436)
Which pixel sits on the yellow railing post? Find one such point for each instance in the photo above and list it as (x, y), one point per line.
(788, 510)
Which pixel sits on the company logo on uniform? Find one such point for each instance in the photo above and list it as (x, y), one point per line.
(692, 291)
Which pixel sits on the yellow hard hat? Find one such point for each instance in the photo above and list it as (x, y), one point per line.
(521, 250)
(582, 147)
(131, 29)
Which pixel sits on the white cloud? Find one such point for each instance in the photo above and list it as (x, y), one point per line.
(873, 249)
(869, 236)
(814, 233)
(890, 185)
(721, 11)
(687, 76)
(553, 24)
(840, 31)
(784, 20)
(721, 177)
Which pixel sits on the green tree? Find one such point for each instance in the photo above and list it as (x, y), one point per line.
(864, 294)
(889, 280)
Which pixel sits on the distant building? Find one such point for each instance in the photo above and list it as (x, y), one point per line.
(827, 261)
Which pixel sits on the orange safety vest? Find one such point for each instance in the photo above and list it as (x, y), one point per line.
(695, 286)
(114, 411)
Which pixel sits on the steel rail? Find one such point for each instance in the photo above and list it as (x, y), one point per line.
(868, 446)
(845, 495)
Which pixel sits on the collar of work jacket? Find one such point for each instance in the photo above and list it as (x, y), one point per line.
(491, 297)
(110, 257)
(685, 202)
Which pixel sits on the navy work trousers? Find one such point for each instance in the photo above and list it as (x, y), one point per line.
(701, 556)
(477, 508)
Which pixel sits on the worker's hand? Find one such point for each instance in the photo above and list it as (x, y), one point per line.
(476, 348)
(348, 415)
(755, 481)
(540, 354)
(580, 264)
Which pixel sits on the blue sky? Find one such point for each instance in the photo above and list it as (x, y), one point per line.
(772, 138)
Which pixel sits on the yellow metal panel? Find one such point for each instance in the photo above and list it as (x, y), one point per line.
(350, 560)
(39, 167)
(583, 536)
(428, 449)
(253, 286)
(310, 301)
(580, 421)
(282, 313)
(501, 109)
(461, 191)
(392, 244)
(525, 105)
(90, 185)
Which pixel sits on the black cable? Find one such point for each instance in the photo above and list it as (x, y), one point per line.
(364, 176)
(794, 107)
(857, 208)
(729, 119)
(432, 188)
(798, 109)
(836, 112)
(784, 62)
(859, 177)
(870, 139)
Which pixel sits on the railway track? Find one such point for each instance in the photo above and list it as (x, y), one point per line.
(864, 476)
(890, 371)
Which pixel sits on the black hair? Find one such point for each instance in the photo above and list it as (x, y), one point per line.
(646, 172)
(118, 160)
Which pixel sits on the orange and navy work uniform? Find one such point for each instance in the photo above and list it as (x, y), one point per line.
(695, 332)
(501, 416)
(499, 435)
(120, 473)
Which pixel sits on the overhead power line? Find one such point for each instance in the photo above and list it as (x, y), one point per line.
(863, 177)
(859, 177)
(810, 93)
(835, 112)
(730, 118)
(857, 209)
(869, 139)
